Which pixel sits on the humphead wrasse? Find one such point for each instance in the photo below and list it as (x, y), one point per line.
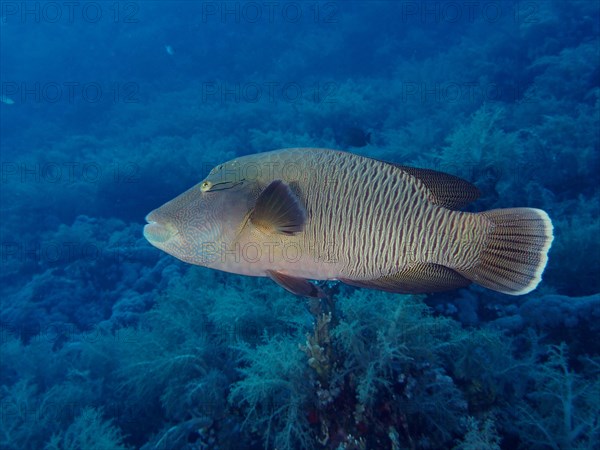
(303, 214)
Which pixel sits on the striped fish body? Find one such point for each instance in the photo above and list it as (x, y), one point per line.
(300, 214)
(365, 218)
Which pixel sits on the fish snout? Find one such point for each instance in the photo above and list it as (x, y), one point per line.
(158, 233)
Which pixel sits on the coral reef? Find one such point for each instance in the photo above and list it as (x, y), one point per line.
(107, 343)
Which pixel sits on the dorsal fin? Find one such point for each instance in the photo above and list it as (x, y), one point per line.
(446, 190)
(278, 210)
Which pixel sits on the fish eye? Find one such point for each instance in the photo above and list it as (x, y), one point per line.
(205, 186)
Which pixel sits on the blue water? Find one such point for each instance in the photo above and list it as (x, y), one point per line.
(110, 109)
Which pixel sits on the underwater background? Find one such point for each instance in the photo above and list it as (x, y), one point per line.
(109, 109)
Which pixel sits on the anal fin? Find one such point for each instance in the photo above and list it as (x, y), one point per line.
(417, 279)
(295, 285)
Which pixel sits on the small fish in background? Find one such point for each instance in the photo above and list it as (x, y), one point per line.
(169, 50)
(303, 214)
(6, 100)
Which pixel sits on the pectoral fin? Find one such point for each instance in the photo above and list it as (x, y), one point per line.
(278, 210)
(298, 286)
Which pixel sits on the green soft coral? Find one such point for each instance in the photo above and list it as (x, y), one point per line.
(564, 410)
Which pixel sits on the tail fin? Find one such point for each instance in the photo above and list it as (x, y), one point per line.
(516, 251)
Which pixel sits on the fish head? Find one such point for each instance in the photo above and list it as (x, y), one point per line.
(204, 221)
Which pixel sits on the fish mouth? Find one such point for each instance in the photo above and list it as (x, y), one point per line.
(157, 233)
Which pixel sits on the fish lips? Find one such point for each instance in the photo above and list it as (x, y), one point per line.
(157, 233)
